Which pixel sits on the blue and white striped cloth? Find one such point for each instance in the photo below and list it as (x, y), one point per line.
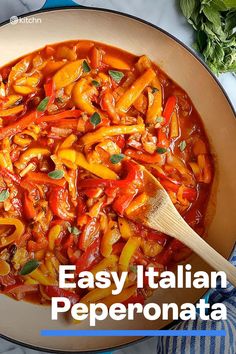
(206, 345)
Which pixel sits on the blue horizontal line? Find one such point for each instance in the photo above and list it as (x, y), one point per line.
(130, 333)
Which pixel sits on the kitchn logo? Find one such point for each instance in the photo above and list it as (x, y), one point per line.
(14, 20)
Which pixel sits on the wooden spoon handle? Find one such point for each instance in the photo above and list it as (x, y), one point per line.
(209, 254)
(174, 225)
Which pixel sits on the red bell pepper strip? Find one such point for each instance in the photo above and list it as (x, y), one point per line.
(7, 280)
(28, 207)
(75, 113)
(107, 104)
(144, 157)
(122, 201)
(55, 291)
(163, 141)
(89, 257)
(56, 202)
(33, 246)
(134, 299)
(50, 91)
(96, 58)
(19, 291)
(18, 126)
(42, 178)
(133, 173)
(89, 234)
(169, 109)
(8, 174)
(189, 193)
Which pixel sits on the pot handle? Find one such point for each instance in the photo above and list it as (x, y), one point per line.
(58, 3)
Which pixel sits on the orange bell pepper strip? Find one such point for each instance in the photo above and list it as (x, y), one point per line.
(128, 251)
(130, 96)
(41, 178)
(75, 113)
(15, 235)
(18, 126)
(28, 207)
(144, 157)
(104, 132)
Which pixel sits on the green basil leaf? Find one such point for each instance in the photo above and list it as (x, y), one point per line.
(219, 5)
(182, 145)
(159, 119)
(133, 268)
(95, 119)
(29, 267)
(74, 230)
(43, 105)
(95, 83)
(154, 89)
(161, 150)
(4, 195)
(86, 67)
(116, 158)
(56, 174)
(117, 76)
(230, 21)
(187, 7)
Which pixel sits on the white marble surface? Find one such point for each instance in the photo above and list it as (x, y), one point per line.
(165, 14)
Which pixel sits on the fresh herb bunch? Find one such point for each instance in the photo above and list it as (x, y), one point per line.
(215, 23)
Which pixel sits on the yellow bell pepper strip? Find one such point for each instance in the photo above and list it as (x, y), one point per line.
(54, 233)
(107, 263)
(115, 62)
(19, 68)
(21, 141)
(128, 98)
(154, 107)
(81, 95)
(105, 132)
(17, 233)
(125, 228)
(11, 101)
(68, 142)
(23, 90)
(174, 126)
(3, 162)
(79, 159)
(6, 149)
(42, 278)
(53, 66)
(151, 248)
(29, 154)
(97, 294)
(127, 253)
(137, 203)
(110, 237)
(4, 268)
(68, 74)
(11, 111)
(120, 298)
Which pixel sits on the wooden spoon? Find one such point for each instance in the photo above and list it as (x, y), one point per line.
(160, 214)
